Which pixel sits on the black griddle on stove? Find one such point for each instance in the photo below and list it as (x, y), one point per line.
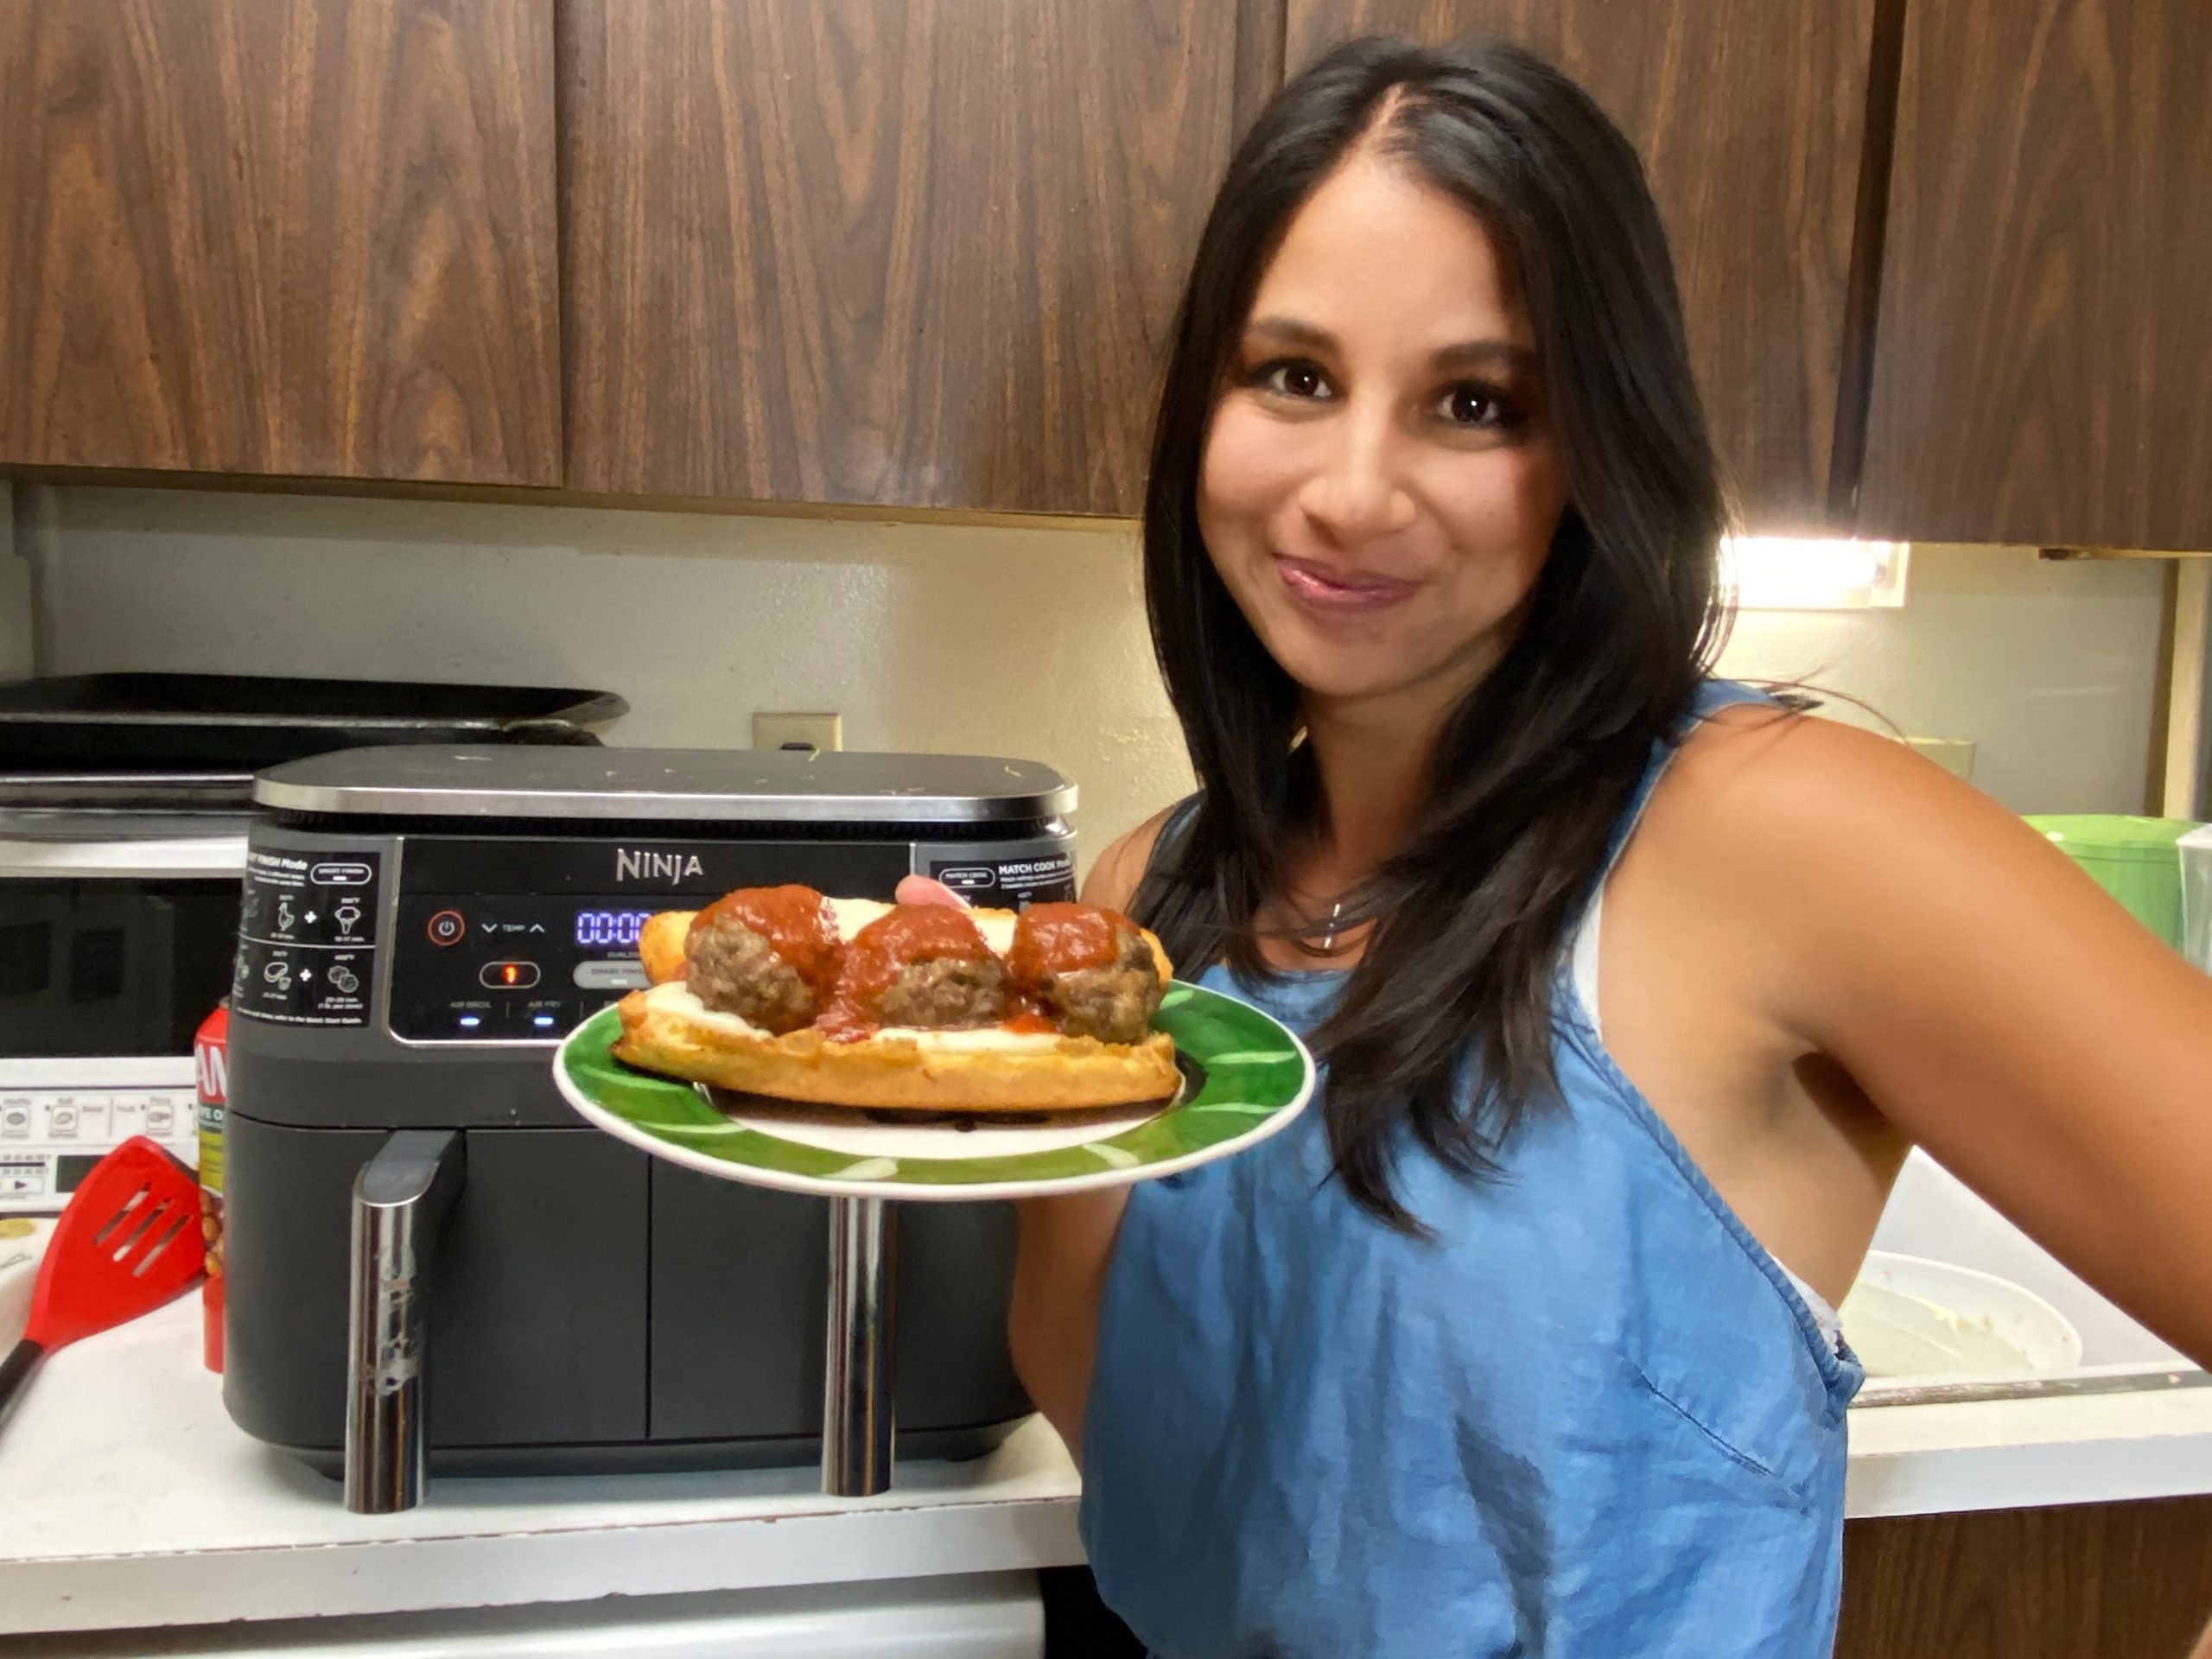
(118, 735)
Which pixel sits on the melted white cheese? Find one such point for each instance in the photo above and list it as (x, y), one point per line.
(674, 997)
(854, 914)
(982, 1038)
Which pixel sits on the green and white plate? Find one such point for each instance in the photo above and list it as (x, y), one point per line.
(1245, 1076)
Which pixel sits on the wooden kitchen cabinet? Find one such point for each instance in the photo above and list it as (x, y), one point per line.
(2130, 1580)
(906, 252)
(1750, 115)
(304, 236)
(2043, 364)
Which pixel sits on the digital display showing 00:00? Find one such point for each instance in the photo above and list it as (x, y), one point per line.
(605, 929)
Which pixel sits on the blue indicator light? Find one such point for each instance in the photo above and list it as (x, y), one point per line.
(469, 1022)
(543, 1021)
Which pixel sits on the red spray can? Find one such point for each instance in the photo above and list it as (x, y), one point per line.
(211, 1063)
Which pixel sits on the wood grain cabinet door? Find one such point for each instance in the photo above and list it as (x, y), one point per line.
(1750, 115)
(2042, 361)
(2120, 1580)
(911, 252)
(306, 237)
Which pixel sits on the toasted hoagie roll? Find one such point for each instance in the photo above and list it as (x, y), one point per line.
(850, 1002)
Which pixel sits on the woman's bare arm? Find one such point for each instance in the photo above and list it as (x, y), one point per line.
(1992, 1002)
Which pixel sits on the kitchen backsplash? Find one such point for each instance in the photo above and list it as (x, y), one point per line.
(1015, 641)
(2052, 669)
(1022, 642)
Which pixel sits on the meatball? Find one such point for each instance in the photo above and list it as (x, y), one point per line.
(944, 991)
(734, 970)
(1114, 1003)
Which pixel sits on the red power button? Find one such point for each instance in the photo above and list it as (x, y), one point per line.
(446, 927)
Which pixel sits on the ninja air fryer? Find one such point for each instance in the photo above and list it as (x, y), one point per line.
(421, 927)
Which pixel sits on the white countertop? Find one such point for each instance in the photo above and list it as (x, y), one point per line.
(131, 1500)
(2015, 1454)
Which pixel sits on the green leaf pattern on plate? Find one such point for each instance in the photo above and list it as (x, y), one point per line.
(1253, 1070)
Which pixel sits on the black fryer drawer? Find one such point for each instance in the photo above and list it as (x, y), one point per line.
(538, 1305)
(740, 1288)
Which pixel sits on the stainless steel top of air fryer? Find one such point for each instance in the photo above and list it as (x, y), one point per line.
(667, 785)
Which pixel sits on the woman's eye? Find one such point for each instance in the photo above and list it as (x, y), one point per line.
(1292, 378)
(1474, 406)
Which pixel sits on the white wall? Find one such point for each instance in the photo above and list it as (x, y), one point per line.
(2048, 667)
(15, 631)
(1025, 642)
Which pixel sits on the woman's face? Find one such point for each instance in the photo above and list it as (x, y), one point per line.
(1379, 487)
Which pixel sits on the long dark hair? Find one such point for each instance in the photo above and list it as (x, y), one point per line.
(1533, 770)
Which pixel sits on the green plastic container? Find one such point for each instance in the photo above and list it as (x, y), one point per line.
(2133, 859)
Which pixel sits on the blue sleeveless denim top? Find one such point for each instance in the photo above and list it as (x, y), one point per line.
(1591, 1418)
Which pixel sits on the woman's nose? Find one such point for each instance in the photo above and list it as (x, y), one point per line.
(1356, 493)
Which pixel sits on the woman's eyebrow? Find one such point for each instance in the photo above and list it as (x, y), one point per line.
(1279, 331)
(1290, 330)
(1469, 354)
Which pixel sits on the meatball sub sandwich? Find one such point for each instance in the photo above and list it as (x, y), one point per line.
(780, 991)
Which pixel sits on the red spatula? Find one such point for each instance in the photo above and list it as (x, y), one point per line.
(128, 1241)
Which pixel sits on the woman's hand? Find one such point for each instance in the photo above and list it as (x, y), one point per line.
(926, 890)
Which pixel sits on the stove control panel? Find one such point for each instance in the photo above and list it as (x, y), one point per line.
(51, 1138)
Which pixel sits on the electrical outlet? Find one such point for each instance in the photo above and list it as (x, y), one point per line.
(803, 731)
(1954, 754)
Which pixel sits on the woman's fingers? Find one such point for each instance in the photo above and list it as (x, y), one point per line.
(921, 890)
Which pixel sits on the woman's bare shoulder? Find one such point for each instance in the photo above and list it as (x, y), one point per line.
(1823, 849)
(1788, 786)
(1860, 876)
(1113, 878)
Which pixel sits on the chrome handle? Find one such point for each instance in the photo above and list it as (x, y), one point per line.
(400, 1198)
(858, 1404)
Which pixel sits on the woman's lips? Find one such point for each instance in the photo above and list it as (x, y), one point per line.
(1338, 593)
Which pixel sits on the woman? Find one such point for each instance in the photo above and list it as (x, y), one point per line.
(1632, 990)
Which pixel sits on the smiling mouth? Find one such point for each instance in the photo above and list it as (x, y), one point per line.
(1338, 593)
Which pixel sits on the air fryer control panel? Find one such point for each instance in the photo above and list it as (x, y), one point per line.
(307, 937)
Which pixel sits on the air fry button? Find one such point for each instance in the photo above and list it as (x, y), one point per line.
(446, 927)
(508, 976)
